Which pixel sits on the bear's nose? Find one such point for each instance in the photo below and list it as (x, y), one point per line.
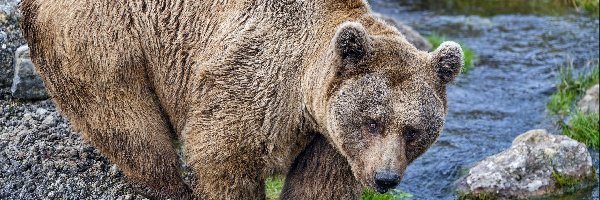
(386, 180)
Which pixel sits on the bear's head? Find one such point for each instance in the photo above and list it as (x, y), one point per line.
(381, 102)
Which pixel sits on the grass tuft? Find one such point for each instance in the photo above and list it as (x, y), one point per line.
(571, 87)
(369, 194)
(470, 56)
(589, 6)
(585, 128)
(274, 185)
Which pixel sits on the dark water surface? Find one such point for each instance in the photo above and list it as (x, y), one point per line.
(506, 92)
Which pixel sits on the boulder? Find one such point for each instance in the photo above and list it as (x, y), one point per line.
(409, 33)
(27, 84)
(10, 39)
(590, 102)
(537, 164)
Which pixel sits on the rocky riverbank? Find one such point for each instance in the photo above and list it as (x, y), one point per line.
(41, 157)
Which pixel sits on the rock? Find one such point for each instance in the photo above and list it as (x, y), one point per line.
(590, 102)
(537, 164)
(27, 84)
(41, 111)
(49, 121)
(10, 39)
(27, 117)
(409, 33)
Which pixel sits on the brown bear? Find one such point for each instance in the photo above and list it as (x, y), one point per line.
(320, 90)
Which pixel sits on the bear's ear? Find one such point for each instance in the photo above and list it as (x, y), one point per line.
(448, 61)
(351, 43)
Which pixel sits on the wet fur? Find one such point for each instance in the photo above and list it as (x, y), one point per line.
(245, 85)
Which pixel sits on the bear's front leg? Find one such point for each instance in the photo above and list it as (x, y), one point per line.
(226, 177)
(320, 172)
(227, 163)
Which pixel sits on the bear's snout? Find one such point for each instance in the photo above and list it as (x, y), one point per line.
(385, 180)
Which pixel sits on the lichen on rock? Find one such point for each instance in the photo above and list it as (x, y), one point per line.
(534, 166)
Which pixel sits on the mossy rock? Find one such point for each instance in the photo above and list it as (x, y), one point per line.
(537, 165)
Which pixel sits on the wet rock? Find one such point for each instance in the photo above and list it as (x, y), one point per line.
(10, 38)
(537, 164)
(27, 84)
(409, 33)
(590, 102)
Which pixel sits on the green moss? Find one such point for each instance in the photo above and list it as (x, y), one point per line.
(584, 128)
(563, 181)
(571, 87)
(570, 184)
(274, 185)
(470, 56)
(477, 196)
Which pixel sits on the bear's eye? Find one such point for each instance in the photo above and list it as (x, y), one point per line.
(410, 134)
(374, 127)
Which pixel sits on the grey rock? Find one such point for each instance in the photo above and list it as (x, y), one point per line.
(528, 168)
(27, 117)
(41, 111)
(49, 121)
(52, 163)
(590, 102)
(27, 84)
(10, 38)
(409, 33)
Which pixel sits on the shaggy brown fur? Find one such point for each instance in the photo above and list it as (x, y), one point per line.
(320, 172)
(246, 85)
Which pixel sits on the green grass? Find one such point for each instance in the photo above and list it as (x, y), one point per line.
(589, 6)
(570, 88)
(584, 128)
(470, 56)
(368, 194)
(274, 185)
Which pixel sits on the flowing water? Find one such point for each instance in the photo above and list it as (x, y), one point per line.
(505, 94)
